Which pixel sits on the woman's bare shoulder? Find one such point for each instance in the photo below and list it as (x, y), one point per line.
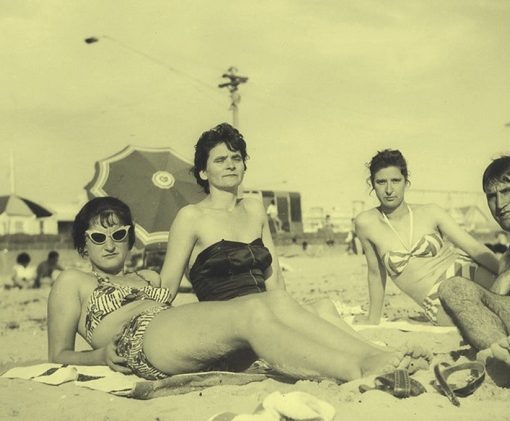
(71, 280)
(191, 211)
(427, 209)
(366, 218)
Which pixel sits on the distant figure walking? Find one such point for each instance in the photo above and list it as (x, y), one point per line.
(352, 241)
(329, 234)
(272, 213)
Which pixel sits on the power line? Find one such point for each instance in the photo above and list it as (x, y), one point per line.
(93, 40)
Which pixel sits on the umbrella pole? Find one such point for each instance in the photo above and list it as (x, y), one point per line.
(144, 258)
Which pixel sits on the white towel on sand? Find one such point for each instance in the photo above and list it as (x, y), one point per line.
(404, 325)
(104, 379)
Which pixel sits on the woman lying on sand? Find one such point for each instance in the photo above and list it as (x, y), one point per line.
(406, 241)
(223, 243)
(131, 327)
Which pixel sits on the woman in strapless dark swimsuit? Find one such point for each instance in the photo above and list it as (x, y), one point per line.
(223, 243)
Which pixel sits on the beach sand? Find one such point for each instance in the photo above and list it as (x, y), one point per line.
(331, 274)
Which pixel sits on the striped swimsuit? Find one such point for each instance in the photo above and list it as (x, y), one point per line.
(437, 260)
(109, 297)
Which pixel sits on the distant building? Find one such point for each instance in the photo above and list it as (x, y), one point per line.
(472, 219)
(313, 220)
(64, 216)
(20, 215)
(288, 205)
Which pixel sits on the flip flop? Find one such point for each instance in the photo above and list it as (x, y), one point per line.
(443, 370)
(398, 383)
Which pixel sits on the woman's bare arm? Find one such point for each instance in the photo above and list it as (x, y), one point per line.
(463, 240)
(181, 240)
(64, 309)
(274, 275)
(376, 272)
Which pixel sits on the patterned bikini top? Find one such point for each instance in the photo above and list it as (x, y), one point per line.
(108, 297)
(429, 245)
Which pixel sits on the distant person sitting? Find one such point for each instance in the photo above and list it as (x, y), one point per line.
(272, 213)
(500, 246)
(46, 268)
(23, 275)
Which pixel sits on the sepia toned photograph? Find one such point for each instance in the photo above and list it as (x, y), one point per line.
(286, 210)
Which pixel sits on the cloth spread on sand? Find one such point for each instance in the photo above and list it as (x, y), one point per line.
(404, 325)
(102, 378)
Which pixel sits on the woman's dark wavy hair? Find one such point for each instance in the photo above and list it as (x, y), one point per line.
(222, 133)
(384, 159)
(107, 211)
(495, 171)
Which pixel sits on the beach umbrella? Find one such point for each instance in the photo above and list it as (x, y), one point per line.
(13, 205)
(154, 182)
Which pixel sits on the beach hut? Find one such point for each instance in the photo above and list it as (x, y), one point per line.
(288, 205)
(19, 215)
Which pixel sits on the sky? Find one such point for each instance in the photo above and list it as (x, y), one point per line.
(330, 83)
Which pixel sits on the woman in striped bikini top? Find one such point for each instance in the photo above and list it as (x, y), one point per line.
(417, 264)
(429, 245)
(108, 297)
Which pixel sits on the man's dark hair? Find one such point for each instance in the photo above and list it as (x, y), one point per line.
(495, 171)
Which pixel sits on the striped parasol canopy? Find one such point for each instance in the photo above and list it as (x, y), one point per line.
(13, 205)
(154, 182)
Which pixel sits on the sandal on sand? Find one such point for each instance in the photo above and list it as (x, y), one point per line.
(398, 383)
(443, 370)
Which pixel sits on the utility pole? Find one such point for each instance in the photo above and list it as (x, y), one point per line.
(233, 87)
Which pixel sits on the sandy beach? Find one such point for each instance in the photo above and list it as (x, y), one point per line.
(332, 274)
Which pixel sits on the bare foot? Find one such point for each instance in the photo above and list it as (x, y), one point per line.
(411, 358)
(499, 350)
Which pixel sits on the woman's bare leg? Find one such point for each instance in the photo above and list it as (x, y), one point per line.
(290, 313)
(326, 310)
(190, 337)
